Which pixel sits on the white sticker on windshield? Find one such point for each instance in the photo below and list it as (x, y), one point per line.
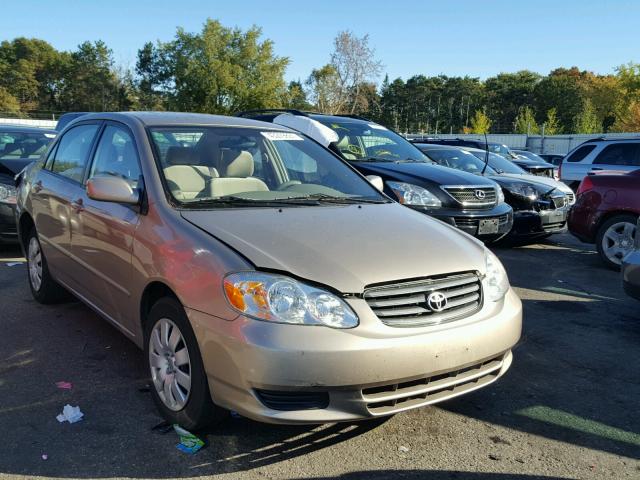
(275, 136)
(376, 126)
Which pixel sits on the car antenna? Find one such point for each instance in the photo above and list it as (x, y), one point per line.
(486, 153)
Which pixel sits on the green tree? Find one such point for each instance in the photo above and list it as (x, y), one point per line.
(551, 124)
(296, 97)
(506, 93)
(219, 70)
(324, 89)
(526, 122)
(8, 103)
(480, 123)
(564, 90)
(586, 120)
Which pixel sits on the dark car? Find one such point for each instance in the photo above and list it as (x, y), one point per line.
(539, 209)
(605, 213)
(631, 268)
(67, 118)
(535, 167)
(19, 146)
(471, 203)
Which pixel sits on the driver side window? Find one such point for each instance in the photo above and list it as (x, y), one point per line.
(116, 155)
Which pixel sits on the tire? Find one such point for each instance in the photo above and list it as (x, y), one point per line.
(44, 288)
(187, 404)
(620, 226)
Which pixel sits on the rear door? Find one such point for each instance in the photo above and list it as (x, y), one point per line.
(619, 157)
(52, 194)
(102, 233)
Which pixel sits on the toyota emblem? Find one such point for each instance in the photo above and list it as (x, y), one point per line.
(480, 194)
(437, 301)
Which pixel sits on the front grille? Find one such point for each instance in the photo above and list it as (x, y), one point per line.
(545, 172)
(571, 197)
(560, 202)
(290, 401)
(550, 227)
(472, 197)
(391, 398)
(406, 304)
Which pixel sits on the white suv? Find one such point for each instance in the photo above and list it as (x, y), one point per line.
(593, 156)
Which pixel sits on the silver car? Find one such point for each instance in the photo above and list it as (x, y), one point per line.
(259, 272)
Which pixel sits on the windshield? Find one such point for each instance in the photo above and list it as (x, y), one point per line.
(360, 140)
(15, 145)
(238, 166)
(499, 163)
(460, 160)
(499, 149)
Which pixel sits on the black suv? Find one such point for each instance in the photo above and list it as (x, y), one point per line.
(471, 203)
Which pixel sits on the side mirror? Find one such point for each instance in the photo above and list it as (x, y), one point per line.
(376, 181)
(111, 189)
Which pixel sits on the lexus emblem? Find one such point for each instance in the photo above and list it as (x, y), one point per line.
(437, 301)
(480, 194)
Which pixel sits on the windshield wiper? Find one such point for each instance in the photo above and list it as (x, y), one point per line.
(336, 199)
(235, 201)
(371, 159)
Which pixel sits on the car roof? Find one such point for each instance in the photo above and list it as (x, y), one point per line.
(25, 129)
(179, 118)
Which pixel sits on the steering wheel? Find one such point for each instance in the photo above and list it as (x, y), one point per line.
(288, 184)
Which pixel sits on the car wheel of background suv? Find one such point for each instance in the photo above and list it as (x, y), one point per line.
(43, 287)
(178, 381)
(615, 239)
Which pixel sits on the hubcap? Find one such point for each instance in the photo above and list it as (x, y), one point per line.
(34, 259)
(618, 240)
(170, 364)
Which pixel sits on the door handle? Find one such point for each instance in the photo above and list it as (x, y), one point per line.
(77, 205)
(37, 187)
(596, 168)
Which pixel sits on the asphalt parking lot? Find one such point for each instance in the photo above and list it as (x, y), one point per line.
(568, 408)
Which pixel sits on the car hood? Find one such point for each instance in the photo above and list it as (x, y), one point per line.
(344, 247)
(13, 167)
(563, 187)
(423, 172)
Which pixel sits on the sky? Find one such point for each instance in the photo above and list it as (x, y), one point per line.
(475, 38)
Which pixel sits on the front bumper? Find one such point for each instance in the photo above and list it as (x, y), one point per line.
(631, 274)
(8, 230)
(368, 371)
(469, 220)
(533, 223)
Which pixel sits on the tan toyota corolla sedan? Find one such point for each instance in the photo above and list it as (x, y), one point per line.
(261, 273)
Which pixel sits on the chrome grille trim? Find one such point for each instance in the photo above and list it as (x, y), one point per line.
(405, 304)
(396, 397)
(465, 195)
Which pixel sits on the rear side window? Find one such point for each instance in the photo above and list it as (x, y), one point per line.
(72, 152)
(619, 154)
(580, 153)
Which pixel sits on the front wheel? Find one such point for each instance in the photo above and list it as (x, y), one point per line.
(180, 388)
(615, 239)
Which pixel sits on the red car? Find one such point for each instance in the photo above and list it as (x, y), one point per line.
(605, 213)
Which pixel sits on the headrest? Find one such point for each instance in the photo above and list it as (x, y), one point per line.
(182, 156)
(241, 166)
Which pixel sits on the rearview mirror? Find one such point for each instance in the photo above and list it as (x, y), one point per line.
(111, 189)
(376, 181)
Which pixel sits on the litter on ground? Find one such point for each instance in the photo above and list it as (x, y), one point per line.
(14, 264)
(189, 443)
(64, 385)
(70, 414)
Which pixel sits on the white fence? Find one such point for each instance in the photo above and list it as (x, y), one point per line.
(28, 122)
(559, 144)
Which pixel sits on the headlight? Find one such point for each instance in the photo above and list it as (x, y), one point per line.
(500, 195)
(409, 194)
(280, 299)
(7, 194)
(496, 281)
(523, 190)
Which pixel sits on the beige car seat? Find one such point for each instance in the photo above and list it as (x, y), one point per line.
(238, 170)
(188, 179)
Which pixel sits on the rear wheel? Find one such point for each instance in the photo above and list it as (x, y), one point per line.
(615, 239)
(179, 383)
(43, 287)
